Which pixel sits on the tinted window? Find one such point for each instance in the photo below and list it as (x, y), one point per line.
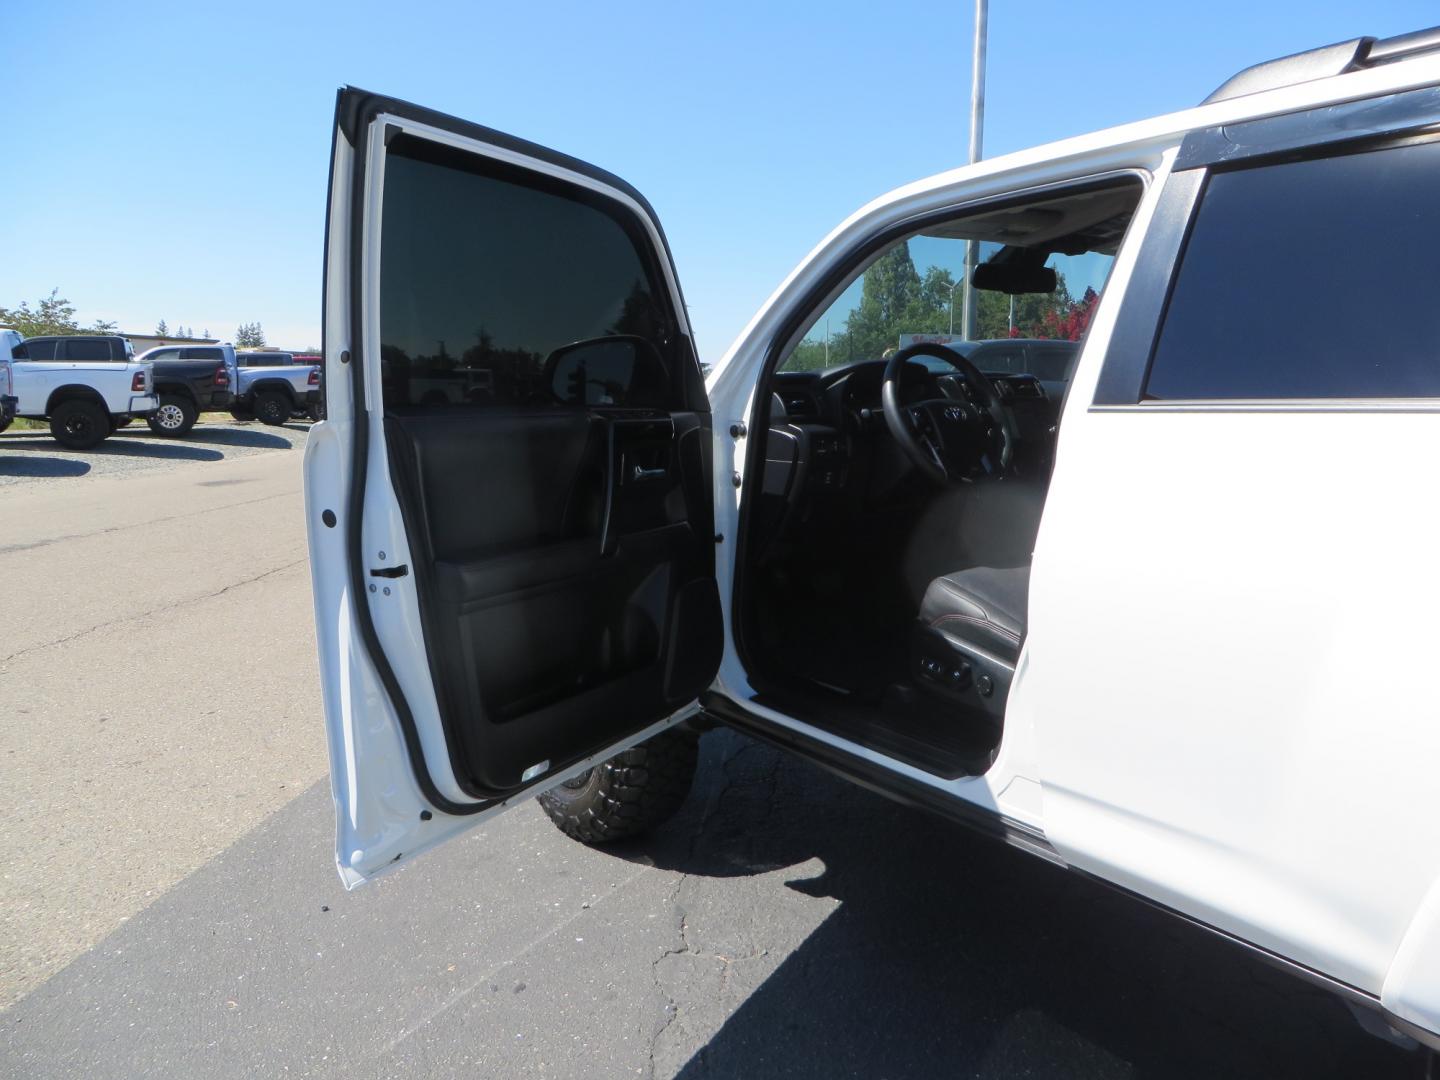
(163, 355)
(35, 350)
(486, 272)
(1309, 279)
(87, 349)
(201, 354)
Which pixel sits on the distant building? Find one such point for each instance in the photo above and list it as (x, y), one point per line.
(141, 342)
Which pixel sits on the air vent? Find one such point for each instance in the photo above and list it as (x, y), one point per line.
(1028, 388)
(799, 404)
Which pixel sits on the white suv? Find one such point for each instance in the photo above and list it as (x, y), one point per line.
(1168, 621)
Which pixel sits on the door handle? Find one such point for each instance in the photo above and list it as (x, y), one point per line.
(642, 473)
(390, 571)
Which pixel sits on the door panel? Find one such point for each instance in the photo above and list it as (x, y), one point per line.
(547, 581)
(1229, 662)
(517, 453)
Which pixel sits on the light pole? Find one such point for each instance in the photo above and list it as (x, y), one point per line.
(952, 303)
(977, 126)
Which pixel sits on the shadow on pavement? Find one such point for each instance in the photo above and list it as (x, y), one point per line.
(238, 436)
(127, 445)
(950, 954)
(40, 465)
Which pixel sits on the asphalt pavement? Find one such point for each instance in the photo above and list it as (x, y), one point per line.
(169, 905)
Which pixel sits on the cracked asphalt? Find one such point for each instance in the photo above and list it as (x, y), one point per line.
(169, 907)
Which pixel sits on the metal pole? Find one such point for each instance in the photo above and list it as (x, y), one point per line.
(952, 304)
(977, 127)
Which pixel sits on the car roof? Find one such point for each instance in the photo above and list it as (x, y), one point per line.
(1145, 141)
(77, 337)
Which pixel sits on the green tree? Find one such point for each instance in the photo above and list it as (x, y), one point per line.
(249, 336)
(53, 314)
(161, 330)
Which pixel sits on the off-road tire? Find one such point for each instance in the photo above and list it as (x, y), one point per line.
(175, 416)
(272, 408)
(79, 424)
(121, 420)
(633, 792)
(242, 416)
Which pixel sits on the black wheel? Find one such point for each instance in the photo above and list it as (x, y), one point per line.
(79, 424)
(316, 412)
(123, 420)
(175, 416)
(633, 792)
(272, 408)
(242, 416)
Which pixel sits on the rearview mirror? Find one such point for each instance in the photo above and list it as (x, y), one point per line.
(1014, 278)
(621, 371)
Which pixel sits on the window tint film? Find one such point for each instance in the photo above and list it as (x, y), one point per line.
(87, 349)
(35, 350)
(488, 273)
(1309, 279)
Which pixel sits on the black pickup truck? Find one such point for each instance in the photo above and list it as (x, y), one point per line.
(190, 379)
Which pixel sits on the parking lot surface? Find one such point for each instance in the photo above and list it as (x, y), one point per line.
(32, 456)
(169, 906)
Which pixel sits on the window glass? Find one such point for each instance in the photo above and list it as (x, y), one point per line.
(915, 289)
(164, 354)
(487, 274)
(85, 350)
(201, 354)
(1309, 279)
(40, 350)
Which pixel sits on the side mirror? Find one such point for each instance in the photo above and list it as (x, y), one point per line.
(621, 371)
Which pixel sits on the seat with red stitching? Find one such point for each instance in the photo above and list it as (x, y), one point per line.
(983, 607)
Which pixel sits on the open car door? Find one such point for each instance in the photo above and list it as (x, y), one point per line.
(508, 503)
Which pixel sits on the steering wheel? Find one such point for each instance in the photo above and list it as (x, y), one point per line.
(952, 441)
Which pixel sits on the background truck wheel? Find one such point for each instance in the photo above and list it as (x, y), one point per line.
(272, 408)
(242, 416)
(122, 420)
(79, 424)
(175, 416)
(630, 794)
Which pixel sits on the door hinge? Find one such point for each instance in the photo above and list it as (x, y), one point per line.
(390, 571)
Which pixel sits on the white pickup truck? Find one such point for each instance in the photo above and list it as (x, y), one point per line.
(84, 384)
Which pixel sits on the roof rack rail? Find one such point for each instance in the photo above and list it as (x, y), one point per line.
(1330, 60)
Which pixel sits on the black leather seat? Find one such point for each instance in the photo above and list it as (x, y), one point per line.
(982, 608)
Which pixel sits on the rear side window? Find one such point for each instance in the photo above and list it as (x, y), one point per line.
(500, 287)
(164, 354)
(35, 350)
(85, 350)
(1309, 279)
(201, 354)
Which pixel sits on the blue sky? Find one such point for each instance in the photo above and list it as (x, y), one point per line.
(169, 161)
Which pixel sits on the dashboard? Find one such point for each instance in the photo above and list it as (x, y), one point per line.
(828, 449)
